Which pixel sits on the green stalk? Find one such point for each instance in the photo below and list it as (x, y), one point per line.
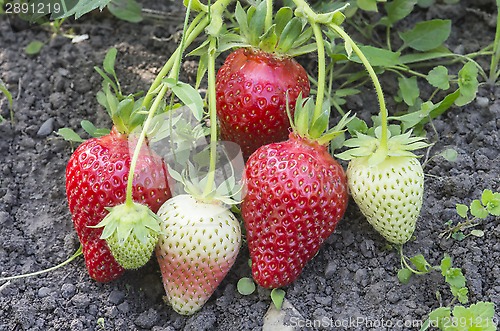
(269, 15)
(129, 199)
(318, 35)
(212, 110)
(378, 88)
(496, 50)
(196, 27)
(62, 264)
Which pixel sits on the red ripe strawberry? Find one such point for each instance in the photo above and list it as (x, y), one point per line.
(96, 178)
(252, 88)
(295, 195)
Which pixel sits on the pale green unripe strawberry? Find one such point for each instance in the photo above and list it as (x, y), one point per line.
(131, 232)
(389, 194)
(198, 244)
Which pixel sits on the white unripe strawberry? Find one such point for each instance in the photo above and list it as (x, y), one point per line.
(389, 194)
(198, 244)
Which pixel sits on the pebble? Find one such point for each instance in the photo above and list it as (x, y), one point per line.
(116, 297)
(46, 128)
(147, 319)
(68, 290)
(57, 100)
(124, 307)
(203, 321)
(361, 277)
(43, 292)
(81, 300)
(330, 269)
(482, 102)
(325, 301)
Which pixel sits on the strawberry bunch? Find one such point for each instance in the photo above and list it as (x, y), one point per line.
(257, 82)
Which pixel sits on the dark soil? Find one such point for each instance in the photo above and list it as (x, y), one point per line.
(353, 277)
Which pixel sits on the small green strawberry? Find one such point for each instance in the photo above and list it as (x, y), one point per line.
(386, 184)
(198, 244)
(131, 231)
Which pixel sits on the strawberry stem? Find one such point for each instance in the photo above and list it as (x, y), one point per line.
(378, 88)
(62, 264)
(196, 27)
(212, 109)
(269, 15)
(318, 34)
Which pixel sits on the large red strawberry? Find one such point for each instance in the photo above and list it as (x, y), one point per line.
(255, 83)
(96, 178)
(295, 194)
(252, 89)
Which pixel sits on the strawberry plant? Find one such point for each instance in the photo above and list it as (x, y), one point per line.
(479, 209)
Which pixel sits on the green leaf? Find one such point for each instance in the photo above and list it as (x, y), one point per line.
(277, 296)
(433, 54)
(126, 10)
(404, 275)
(440, 317)
(90, 128)
(462, 210)
(449, 154)
(367, 5)
(478, 210)
(7, 94)
(69, 135)
(444, 105)
(458, 236)
(397, 10)
(357, 125)
(491, 201)
(246, 286)
(478, 316)
(420, 263)
(409, 89)
(468, 84)
(427, 35)
(438, 77)
(83, 7)
(109, 61)
(477, 233)
(190, 97)
(34, 47)
(377, 56)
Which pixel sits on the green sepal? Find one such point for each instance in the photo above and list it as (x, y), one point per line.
(398, 145)
(125, 219)
(269, 39)
(282, 18)
(256, 22)
(290, 33)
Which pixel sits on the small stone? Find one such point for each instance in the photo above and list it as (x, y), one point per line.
(116, 297)
(43, 292)
(81, 300)
(330, 269)
(147, 319)
(46, 128)
(124, 307)
(57, 100)
(482, 102)
(325, 301)
(361, 277)
(68, 290)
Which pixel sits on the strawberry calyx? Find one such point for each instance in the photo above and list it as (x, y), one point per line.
(227, 192)
(307, 124)
(131, 231)
(282, 35)
(398, 145)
